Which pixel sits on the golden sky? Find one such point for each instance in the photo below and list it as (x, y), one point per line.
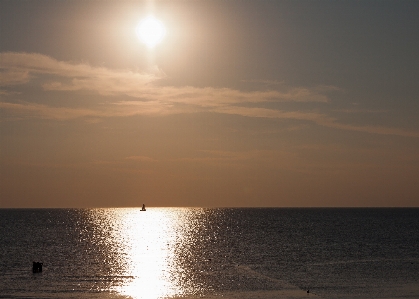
(241, 103)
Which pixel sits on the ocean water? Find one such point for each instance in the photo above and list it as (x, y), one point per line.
(210, 253)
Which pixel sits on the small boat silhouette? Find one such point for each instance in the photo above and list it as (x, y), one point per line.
(143, 208)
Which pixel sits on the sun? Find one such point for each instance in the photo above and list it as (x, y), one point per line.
(151, 31)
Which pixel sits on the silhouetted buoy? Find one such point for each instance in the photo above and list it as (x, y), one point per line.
(36, 267)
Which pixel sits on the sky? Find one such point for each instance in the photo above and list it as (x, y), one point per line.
(241, 104)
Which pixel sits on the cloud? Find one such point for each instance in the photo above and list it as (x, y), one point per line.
(34, 63)
(148, 98)
(47, 112)
(19, 68)
(13, 77)
(373, 129)
(65, 113)
(212, 156)
(318, 118)
(141, 159)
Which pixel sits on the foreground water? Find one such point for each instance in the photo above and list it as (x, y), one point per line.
(210, 253)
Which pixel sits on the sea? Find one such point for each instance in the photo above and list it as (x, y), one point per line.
(247, 253)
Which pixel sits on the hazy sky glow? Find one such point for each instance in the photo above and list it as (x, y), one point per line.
(241, 103)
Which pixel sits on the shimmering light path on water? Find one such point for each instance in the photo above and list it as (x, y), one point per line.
(148, 243)
(211, 253)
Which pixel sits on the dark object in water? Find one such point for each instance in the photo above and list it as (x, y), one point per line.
(36, 267)
(143, 208)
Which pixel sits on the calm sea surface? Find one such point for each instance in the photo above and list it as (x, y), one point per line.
(211, 253)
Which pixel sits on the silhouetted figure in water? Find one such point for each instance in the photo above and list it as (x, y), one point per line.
(36, 267)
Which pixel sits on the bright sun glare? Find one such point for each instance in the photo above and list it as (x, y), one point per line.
(151, 31)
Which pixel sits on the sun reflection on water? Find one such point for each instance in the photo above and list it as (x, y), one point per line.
(160, 253)
(146, 246)
(144, 242)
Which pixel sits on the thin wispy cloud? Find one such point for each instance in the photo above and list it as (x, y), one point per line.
(33, 110)
(43, 111)
(19, 68)
(149, 98)
(141, 159)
